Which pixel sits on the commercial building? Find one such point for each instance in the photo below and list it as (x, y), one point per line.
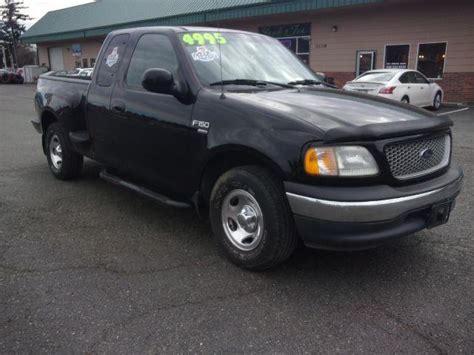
(341, 38)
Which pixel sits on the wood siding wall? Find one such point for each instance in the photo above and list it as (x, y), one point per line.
(90, 49)
(366, 28)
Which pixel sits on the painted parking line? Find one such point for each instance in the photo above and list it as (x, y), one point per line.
(455, 111)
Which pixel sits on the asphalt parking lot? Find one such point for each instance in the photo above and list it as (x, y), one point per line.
(88, 267)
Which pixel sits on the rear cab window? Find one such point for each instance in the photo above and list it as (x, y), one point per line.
(111, 60)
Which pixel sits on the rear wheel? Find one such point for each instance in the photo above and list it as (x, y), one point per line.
(251, 219)
(5, 78)
(63, 162)
(405, 100)
(437, 102)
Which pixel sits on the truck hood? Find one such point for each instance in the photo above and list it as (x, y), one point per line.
(342, 116)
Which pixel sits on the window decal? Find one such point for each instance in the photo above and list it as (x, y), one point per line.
(113, 58)
(204, 54)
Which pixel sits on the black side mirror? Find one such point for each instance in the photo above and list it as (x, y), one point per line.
(160, 81)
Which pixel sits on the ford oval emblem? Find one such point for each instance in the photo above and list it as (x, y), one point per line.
(426, 153)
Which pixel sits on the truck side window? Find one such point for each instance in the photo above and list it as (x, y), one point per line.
(152, 51)
(112, 59)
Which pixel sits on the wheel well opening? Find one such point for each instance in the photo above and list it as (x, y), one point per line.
(47, 118)
(227, 161)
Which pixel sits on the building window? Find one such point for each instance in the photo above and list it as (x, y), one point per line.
(396, 56)
(77, 64)
(431, 58)
(92, 62)
(296, 38)
(85, 63)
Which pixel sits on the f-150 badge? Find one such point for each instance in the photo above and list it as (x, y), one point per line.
(202, 126)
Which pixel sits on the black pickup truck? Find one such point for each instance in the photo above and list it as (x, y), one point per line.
(233, 124)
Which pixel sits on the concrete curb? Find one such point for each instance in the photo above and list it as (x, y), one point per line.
(454, 104)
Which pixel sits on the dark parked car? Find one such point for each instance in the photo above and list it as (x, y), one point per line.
(235, 125)
(8, 77)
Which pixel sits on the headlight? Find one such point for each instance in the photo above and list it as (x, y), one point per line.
(340, 161)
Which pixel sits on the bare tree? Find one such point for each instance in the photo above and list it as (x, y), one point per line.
(12, 24)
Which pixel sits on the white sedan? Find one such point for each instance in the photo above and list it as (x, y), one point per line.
(408, 86)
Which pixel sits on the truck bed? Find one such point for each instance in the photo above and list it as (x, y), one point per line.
(66, 96)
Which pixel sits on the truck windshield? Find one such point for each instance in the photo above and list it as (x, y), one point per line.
(245, 58)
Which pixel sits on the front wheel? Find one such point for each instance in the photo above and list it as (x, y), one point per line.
(63, 162)
(251, 218)
(437, 102)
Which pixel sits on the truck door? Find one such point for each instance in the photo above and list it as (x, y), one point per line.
(106, 145)
(155, 129)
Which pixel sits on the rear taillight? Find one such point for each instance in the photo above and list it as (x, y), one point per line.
(387, 90)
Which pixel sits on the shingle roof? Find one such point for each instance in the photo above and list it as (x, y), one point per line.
(102, 16)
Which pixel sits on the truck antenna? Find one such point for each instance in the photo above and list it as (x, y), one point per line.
(220, 49)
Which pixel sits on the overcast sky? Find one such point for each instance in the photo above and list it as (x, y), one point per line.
(38, 8)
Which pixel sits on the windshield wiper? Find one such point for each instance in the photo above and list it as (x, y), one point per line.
(251, 82)
(305, 82)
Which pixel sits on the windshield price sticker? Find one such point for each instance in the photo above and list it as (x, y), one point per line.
(201, 39)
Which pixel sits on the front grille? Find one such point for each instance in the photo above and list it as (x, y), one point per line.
(417, 158)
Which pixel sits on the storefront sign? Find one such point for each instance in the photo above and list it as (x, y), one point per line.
(76, 50)
(282, 31)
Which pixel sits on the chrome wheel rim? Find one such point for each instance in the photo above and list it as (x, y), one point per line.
(438, 101)
(405, 101)
(242, 220)
(56, 152)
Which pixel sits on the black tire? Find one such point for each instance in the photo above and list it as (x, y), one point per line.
(71, 162)
(405, 99)
(437, 101)
(278, 238)
(5, 78)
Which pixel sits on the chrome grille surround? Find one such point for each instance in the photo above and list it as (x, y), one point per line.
(416, 158)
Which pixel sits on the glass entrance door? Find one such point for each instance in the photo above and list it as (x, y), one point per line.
(365, 61)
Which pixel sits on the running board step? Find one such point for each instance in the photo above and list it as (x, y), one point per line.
(142, 190)
(80, 140)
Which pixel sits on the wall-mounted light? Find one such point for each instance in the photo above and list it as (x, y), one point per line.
(334, 28)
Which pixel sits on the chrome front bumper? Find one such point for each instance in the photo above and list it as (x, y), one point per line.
(370, 211)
